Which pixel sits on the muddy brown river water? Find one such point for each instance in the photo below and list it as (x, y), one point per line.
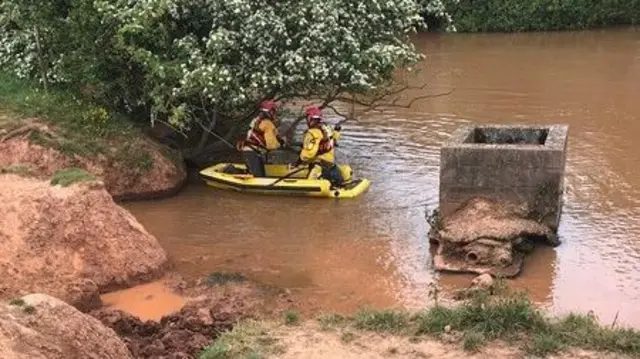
(373, 251)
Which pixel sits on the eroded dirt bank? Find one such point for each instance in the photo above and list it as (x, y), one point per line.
(38, 326)
(142, 169)
(70, 242)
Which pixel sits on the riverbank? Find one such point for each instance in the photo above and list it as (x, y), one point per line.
(226, 315)
(507, 326)
(41, 133)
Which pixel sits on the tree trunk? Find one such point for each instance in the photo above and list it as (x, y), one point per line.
(41, 60)
(205, 135)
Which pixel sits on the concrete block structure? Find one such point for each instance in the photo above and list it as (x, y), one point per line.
(515, 163)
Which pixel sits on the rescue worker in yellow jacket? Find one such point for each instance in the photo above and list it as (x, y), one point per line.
(261, 138)
(318, 148)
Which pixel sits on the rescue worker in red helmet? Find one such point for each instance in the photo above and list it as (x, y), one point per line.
(261, 138)
(318, 148)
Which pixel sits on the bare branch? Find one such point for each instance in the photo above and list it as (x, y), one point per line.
(335, 110)
(376, 102)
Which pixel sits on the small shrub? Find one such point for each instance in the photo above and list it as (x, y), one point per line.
(68, 176)
(544, 344)
(97, 120)
(291, 318)
(328, 321)
(472, 341)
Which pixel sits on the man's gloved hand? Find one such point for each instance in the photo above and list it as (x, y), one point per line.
(338, 128)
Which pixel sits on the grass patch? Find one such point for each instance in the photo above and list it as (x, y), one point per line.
(381, 320)
(81, 127)
(247, 340)
(331, 320)
(348, 337)
(29, 309)
(19, 170)
(544, 344)
(220, 278)
(472, 341)
(291, 318)
(512, 317)
(17, 302)
(68, 176)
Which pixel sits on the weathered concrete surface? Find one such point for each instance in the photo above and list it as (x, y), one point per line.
(521, 164)
(486, 236)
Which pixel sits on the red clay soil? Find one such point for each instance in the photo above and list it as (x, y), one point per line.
(42, 327)
(210, 310)
(70, 242)
(121, 180)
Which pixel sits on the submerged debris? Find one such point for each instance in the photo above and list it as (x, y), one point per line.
(485, 236)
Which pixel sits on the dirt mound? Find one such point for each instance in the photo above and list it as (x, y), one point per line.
(180, 335)
(39, 326)
(70, 242)
(124, 181)
(213, 304)
(485, 236)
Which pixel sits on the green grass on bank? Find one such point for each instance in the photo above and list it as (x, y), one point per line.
(247, 340)
(78, 127)
(512, 318)
(68, 176)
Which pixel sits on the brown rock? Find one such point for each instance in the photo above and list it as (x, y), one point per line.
(70, 242)
(45, 327)
(483, 281)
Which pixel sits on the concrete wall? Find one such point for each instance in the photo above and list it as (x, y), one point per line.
(529, 173)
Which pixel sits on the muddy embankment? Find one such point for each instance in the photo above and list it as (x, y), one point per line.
(70, 242)
(64, 246)
(36, 148)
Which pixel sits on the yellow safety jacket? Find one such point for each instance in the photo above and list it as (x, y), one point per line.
(262, 135)
(319, 144)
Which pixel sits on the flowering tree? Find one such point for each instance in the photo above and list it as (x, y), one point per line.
(436, 10)
(198, 64)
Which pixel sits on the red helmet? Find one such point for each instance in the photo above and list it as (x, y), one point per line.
(313, 114)
(268, 107)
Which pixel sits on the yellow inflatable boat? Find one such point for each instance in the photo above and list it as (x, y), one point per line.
(235, 177)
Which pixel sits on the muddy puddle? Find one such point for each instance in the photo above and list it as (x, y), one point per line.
(373, 251)
(150, 301)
